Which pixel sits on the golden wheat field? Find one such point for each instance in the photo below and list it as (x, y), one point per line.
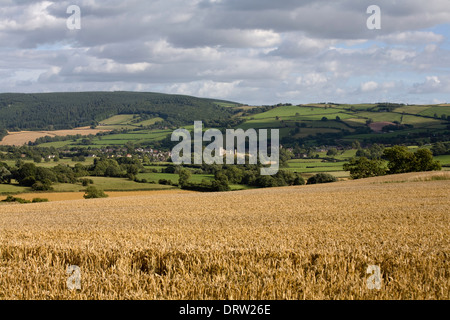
(307, 242)
(23, 137)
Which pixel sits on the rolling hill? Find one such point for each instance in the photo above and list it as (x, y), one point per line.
(49, 111)
(148, 118)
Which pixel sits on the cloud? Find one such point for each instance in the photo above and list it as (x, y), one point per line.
(369, 86)
(432, 84)
(412, 37)
(253, 51)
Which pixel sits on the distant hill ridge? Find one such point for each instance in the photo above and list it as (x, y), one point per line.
(37, 111)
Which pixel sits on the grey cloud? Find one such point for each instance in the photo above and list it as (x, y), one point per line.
(260, 51)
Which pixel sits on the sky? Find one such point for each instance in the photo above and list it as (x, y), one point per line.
(256, 52)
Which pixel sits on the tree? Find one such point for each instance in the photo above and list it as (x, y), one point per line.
(234, 174)
(42, 186)
(220, 183)
(332, 152)
(356, 145)
(441, 148)
(37, 159)
(184, 176)
(45, 174)
(364, 168)
(299, 181)
(5, 175)
(401, 160)
(374, 152)
(26, 174)
(133, 169)
(424, 161)
(322, 178)
(93, 193)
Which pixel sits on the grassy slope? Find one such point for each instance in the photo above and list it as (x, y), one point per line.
(418, 116)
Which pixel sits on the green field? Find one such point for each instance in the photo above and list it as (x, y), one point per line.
(445, 160)
(119, 119)
(420, 121)
(141, 136)
(412, 109)
(285, 118)
(111, 184)
(381, 116)
(439, 110)
(13, 189)
(311, 166)
(300, 112)
(384, 135)
(57, 144)
(107, 184)
(155, 177)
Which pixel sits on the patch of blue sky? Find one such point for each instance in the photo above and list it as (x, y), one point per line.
(442, 29)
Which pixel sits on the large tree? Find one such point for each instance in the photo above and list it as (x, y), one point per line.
(364, 168)
(401, 160)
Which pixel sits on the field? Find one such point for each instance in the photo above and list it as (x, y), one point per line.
(309, 117)
(50, 164)
(111, 184)
(314, 166)
(68, 196)
(308, 242)
(23, 137)
(107, 184)
(140, 136)
(307, 120)
(125, 121)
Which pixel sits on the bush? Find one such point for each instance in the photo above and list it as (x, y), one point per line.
(38, 200)
(86, 182)
(184, 176)
(299, 181)
(332, 152)
(93, 193)
(41, 186)
(14, 199)
(322, 178)
(165, 182)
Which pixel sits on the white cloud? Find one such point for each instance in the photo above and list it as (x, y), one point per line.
(369, 86)
(253, 51)
(205, 88)
(432, 84)
(412, 37)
